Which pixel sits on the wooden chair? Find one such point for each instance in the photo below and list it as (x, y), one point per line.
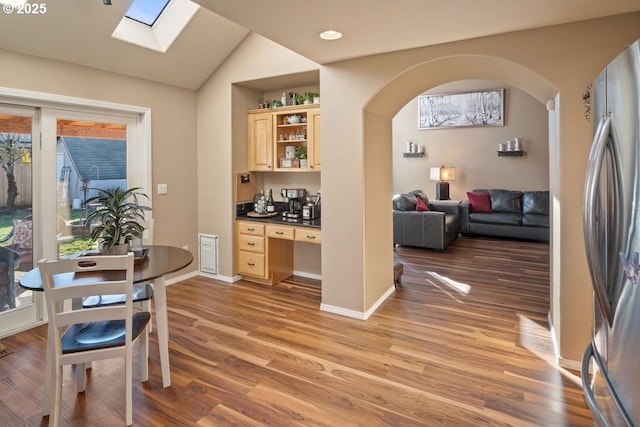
(142, 293)
(78, 335)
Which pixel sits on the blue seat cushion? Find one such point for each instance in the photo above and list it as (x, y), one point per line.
(140, 293)
(103, 334)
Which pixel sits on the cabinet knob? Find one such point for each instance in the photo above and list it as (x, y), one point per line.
(251, 244)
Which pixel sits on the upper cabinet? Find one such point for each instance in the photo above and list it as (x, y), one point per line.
(285, 139)
(261, 141)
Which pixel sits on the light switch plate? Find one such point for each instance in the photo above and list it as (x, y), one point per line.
(162, 189)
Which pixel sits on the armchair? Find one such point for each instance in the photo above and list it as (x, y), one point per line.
(434, 228)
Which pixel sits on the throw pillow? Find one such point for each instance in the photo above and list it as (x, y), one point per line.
(420, 195)
(22, 233)
(479, 202)
(421, 206)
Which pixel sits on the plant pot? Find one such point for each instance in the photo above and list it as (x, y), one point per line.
(121, 249)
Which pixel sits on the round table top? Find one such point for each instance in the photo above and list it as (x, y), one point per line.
(160, 260)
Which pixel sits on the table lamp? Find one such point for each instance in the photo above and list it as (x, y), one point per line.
(442, 175)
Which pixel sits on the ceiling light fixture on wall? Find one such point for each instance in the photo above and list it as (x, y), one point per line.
(330, 35)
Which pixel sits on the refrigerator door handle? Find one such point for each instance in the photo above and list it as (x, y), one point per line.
(596, 159)
(598, 416)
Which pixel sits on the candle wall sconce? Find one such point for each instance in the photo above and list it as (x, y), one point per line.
(413, 150)
(511, 148)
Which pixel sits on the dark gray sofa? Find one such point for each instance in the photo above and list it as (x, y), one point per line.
(434, 229)
(514, 214)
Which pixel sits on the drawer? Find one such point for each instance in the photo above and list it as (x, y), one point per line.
(245, 227)
(251, 243)
(251, 263)
(280, 232)
(308, 235)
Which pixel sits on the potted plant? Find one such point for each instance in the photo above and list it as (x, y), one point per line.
(308, 97)
(301, 153)
(117, 220)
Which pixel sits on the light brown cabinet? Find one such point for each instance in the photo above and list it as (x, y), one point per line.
(265, 251)
(261, 141)
(251, 249)
(271, 132)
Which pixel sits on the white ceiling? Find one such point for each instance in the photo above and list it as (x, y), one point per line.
(80, 31)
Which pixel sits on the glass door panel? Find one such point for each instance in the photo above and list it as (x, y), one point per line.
(18, 307)
(90, 155)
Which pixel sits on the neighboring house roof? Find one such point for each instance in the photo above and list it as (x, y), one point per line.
(97, 159)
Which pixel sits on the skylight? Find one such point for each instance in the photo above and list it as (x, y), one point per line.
(146, 11)
(155, 24)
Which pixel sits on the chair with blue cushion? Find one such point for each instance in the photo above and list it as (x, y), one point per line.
(78, 335)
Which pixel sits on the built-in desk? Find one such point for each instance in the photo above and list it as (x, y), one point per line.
(265, 246)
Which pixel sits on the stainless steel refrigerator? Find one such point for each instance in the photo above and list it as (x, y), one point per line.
(612, 236)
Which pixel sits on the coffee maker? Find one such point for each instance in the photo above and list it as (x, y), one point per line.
(296, 197)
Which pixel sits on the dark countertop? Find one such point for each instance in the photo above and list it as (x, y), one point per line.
(243, 208)
(279, 220)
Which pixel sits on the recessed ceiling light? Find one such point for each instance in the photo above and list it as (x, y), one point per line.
(330, 35)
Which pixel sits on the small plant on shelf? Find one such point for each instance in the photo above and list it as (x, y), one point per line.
(308, 97)
(301, 152)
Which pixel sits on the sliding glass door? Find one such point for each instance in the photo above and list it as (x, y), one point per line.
(18, 234)
(52, 160)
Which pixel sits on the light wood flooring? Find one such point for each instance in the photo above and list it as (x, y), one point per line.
(463, 341)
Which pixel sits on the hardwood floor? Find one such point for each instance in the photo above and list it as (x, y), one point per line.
(463, 341)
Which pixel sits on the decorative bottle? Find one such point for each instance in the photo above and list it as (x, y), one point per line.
(271, 207)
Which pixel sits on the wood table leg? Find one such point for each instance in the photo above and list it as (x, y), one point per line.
(162, 323)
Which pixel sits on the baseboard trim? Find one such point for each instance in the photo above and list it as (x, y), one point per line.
(307, 275)
(574, 365)
(358, 314)
(180, 278)
(227, 279)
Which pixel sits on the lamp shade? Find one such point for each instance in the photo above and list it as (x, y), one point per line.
(442, 174)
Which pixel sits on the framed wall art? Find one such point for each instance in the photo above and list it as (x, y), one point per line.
(462, 109)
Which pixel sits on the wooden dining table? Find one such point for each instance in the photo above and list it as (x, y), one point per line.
(157, 262)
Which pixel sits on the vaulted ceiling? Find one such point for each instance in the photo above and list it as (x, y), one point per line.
(80, 31)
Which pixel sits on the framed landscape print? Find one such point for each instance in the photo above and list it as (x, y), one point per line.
(462, 109)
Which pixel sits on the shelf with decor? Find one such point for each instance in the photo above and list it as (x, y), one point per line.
(513, 153)
(293, 144)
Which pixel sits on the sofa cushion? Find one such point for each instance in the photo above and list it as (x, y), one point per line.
(508, 201)
(404, 202)
(535, 220)
(421, 206)
(535, 202)
(479, 202)
(500, 218)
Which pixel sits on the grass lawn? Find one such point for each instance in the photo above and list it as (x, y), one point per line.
(78, 245)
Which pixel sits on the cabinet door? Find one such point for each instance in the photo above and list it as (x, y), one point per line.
(261, 142)
(315, 160)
